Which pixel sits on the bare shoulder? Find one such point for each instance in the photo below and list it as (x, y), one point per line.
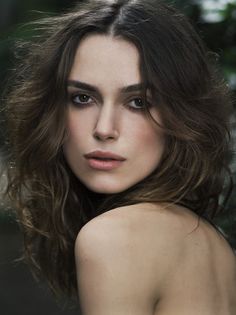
(141, 225)
(99, 236)
(126, 244)
(145, 237)
(126, 231)
(154, 227)
(110, 253)
(181, 258)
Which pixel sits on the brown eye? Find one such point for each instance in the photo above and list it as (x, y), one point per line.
(137, 104)
(80, 98)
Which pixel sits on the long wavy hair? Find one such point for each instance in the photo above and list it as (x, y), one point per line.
(194, 104)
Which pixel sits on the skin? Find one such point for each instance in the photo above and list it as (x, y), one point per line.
(144, 259)
(110, 120)
(150, 259)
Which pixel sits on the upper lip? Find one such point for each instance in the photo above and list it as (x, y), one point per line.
(104, 154)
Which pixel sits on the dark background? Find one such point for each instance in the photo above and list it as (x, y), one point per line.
(216, 24)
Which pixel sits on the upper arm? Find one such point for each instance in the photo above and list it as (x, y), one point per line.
(111, 273)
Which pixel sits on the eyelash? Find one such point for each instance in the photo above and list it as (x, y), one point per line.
(81, 104)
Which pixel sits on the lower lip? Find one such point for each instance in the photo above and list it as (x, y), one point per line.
(104, 165)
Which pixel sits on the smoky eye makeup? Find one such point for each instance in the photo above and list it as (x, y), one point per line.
(133, 100)
(135, 103)
(80, 99)
(77, 96)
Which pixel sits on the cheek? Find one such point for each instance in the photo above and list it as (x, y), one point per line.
(153, 141)
(75, 135)
(148, 137)
(77, 125)
(154, 134)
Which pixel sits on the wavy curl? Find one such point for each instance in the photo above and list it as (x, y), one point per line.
(51, 203)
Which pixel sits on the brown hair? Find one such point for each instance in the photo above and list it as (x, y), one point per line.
(51, 203)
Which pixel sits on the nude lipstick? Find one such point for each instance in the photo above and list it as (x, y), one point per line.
(104, 160)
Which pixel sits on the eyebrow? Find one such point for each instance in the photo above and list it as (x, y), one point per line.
(91, 88)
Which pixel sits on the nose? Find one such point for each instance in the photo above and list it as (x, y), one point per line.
(106, 123)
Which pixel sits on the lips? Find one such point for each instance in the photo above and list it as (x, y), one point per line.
(104, 160)
(104, 155)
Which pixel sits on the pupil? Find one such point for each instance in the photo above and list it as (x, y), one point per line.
(139, 102)
(83, 97)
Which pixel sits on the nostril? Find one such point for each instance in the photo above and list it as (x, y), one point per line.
(103, 138)
(99, 135)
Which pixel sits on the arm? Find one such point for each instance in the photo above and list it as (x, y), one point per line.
(111, 274)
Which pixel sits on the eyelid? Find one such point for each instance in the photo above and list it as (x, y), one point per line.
(148, 100)
(139, 109)
(77, 92)
(73, 96)
(135, 95)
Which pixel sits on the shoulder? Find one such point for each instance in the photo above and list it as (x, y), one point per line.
(109, 254)
(159, 225)
(169, 235)
(141, 253)
(139, 237)
(132, 225)
(142, 226)
(99, 236)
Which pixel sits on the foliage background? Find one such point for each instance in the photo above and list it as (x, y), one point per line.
(215, 21)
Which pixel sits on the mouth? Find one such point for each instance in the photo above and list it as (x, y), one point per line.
(101, 160)
(104, 156)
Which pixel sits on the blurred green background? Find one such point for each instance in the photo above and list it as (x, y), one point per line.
(215, 21)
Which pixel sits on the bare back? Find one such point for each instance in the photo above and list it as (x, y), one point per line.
(205, 282)
(200, 275)
(181, 264)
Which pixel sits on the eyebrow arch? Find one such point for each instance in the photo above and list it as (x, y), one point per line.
(91, 88)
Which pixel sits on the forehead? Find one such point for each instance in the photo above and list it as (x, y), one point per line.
(106, 60)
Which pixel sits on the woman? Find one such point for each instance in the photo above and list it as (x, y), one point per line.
(118, 142)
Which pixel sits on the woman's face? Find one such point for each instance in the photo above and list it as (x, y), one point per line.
(105, 114)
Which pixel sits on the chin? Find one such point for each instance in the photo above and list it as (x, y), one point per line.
(106, 189)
